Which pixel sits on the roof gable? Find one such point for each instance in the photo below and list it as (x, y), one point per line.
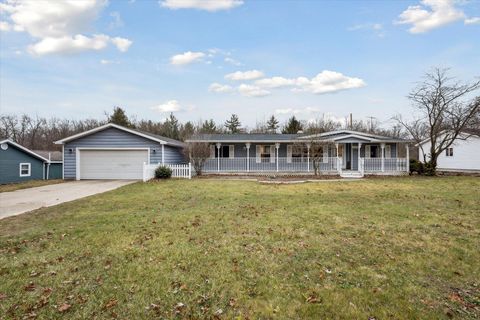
(150, 136)
(22, 148)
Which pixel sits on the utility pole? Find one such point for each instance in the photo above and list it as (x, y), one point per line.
(371, 122)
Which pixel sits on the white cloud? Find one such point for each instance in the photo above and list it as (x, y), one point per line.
(233, 61)
(377, 28)
(431, 14)
(208, 5)
(117, 20)
(307, 110)
(186, 58)
(222, 88)
(244, 75)
(169, 106)
(69, 45)
(5, 26)
(252, 91)
(77, 44)
(59, 25)
(275, 82)
(324, 82)
(105, 61)
(327, 82)
(122, 44)
(475, 20)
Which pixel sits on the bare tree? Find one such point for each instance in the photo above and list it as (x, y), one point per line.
(445, 111)
(197, 153)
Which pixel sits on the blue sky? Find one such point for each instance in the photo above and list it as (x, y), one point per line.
(80, 59)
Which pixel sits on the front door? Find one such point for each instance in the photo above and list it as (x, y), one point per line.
(354, 157)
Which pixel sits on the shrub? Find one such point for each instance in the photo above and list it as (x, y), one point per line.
(163, 172)
(416, 167)
(429, 169)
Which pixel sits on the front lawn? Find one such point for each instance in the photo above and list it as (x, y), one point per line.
(394, 248)
(27, 184)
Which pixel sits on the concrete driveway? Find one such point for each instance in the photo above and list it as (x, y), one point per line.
(20, 201)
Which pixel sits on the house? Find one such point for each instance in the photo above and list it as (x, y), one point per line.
(115, 152)
(462, 156)
(344, 152)
(18, 164)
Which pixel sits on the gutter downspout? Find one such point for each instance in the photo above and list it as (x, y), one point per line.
(48, 166)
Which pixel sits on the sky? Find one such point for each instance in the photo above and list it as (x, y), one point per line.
(203, 59)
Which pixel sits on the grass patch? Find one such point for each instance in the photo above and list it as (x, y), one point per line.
(404, 248)
(27, 184)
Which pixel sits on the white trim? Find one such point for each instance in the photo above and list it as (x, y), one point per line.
(231, 151)
(63, 161)
(112, 125)
(24, 149)
(77, 156)
(163, 154)
(29, 174)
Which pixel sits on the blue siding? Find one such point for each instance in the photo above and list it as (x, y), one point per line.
(10, 160)
(115, 138)
(55, 171)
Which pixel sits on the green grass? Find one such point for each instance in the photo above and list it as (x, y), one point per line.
(27, 184)
(396, 248)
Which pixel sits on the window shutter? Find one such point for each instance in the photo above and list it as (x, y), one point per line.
(258, 149)
(212, 151)
(367, 151)
(325, 154)
(289, 153)
(388, 151)
(272, 154)
(231, 151)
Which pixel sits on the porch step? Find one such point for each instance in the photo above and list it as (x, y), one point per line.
(351, 174)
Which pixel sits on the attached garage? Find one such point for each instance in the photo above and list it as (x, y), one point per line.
(115, 152)
(111, 164)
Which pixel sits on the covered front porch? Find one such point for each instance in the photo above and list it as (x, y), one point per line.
(342, 158)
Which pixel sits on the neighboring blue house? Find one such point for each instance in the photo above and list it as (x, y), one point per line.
(18, 164)
(344, 152)
(115, 152)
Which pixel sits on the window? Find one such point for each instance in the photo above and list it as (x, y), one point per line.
(374, 152)
(449, 152)
(226, 151)
(265, 153)
(25, 169)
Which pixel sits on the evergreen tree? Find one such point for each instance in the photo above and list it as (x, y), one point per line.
(292, 126)
(272, 124)
(171, 129)
(187, 130)
(119, 117)
(208, 126)
(233, 124)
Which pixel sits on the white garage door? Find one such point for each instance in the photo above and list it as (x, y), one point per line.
(112, 164)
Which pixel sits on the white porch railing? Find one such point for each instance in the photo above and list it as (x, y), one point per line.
(330, 164)
(385, 164)
(283, 164)
(178, 170)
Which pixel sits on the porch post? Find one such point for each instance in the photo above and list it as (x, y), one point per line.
(247, 145)
(338, 161)
(277, 146)
(382, 146)
(218, 156)
(407, 149)
(163, 154)
(359, 157)
(308, 157)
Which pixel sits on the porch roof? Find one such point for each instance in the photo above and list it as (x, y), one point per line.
(245, 137)
(341, 136)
